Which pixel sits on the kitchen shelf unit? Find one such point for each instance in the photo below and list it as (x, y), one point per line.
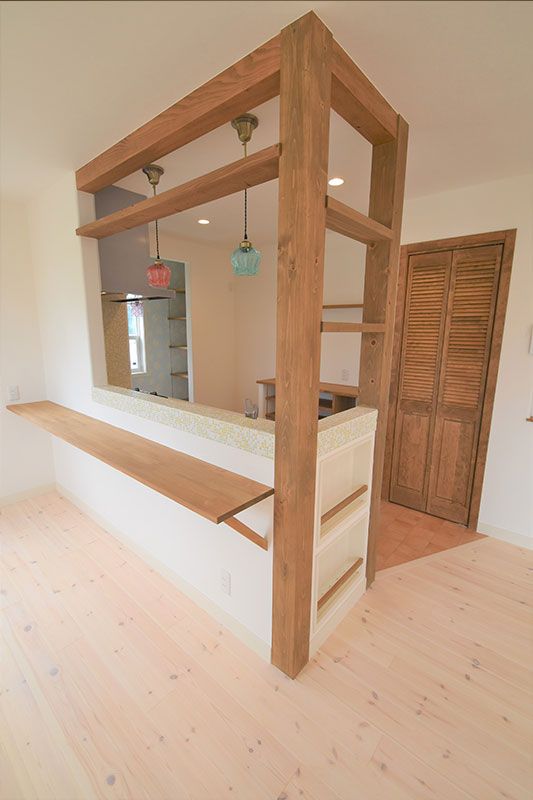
(344, 480)
(333, 398)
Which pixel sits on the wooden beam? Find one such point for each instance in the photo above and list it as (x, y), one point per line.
(258, 168)
(244, 530)
(349, 222)
(246, 84)
(358, 101)
(304, 135)
(210, 491)
(352, 327)
(381, 277)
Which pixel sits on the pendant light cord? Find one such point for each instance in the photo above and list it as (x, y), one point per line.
(245, 201)
(156, 232)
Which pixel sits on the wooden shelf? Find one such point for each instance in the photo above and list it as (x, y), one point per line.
(343, 219)
(210, 491)
(352, 327)
(343, 503)
(339, 389)
(346, 575)
(180, 375)
(343, 305)
(176, 318)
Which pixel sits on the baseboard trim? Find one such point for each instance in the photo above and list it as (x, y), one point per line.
(247, 636)
(518, 539)
(9, 499)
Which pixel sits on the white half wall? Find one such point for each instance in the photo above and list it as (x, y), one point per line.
(26, 460)
(185, 545)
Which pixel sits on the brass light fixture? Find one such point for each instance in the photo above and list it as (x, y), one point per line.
(245, 259)
(158, 274)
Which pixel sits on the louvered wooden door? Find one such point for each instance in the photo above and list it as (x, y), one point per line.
(448, 319)
(425, 310)
(469, 321)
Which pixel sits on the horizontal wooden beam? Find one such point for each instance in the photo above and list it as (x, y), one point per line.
(352, 327)
(257, 168)
(246, 84)
(343, 503)
(358, 102)
(340, 582)
(349, 222)
(244, 530)
(343, 305)
(214, 493)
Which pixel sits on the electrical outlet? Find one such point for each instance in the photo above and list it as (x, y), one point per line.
(225, 581)
(14, 393)
(345, 375)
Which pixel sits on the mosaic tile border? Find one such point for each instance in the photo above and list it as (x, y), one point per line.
(228, 427)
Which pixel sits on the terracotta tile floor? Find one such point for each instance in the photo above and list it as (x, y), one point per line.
(406, 534)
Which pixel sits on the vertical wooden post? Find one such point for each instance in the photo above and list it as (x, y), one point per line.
(381, 277)
(304, 135)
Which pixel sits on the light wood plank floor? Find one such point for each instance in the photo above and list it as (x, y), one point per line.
(115, 685)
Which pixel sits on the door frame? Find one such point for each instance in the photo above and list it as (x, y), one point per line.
(507, 239)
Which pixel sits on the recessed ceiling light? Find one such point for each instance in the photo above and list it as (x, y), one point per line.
(203, 222)
(336, 181)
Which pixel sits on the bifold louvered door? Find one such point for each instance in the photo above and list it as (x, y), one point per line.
(448, 319)
(425, 309)
(466, 347)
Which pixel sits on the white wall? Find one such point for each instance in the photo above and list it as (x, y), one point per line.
(507, 499)
(192, 549)
(25, 453)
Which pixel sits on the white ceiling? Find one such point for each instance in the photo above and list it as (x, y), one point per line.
(78, 76)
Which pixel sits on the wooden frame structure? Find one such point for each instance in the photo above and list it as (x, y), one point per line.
(507, 239)
(312, 75)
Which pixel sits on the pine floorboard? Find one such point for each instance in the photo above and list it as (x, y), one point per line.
(113, 684)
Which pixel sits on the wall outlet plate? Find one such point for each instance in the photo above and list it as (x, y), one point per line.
(13, 393)
(225, 581)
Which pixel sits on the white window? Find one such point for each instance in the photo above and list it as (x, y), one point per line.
(136, 335)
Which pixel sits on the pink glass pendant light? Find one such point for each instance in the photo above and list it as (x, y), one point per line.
(158, 273)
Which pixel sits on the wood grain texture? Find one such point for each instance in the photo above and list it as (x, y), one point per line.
(352, 327)
(246, 84)
(339, 583)
(210, 491)
(114, 684)
(343, 305)
(340, 389)
(507, 239)
(358, 101)
(424, 319)
(305, 86)
(379, 302)
(258, 168)
(247, 532)
(349, 222)
(466, 345)
(343, 503)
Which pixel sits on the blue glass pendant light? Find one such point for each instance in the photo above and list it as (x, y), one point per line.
(245, 259)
